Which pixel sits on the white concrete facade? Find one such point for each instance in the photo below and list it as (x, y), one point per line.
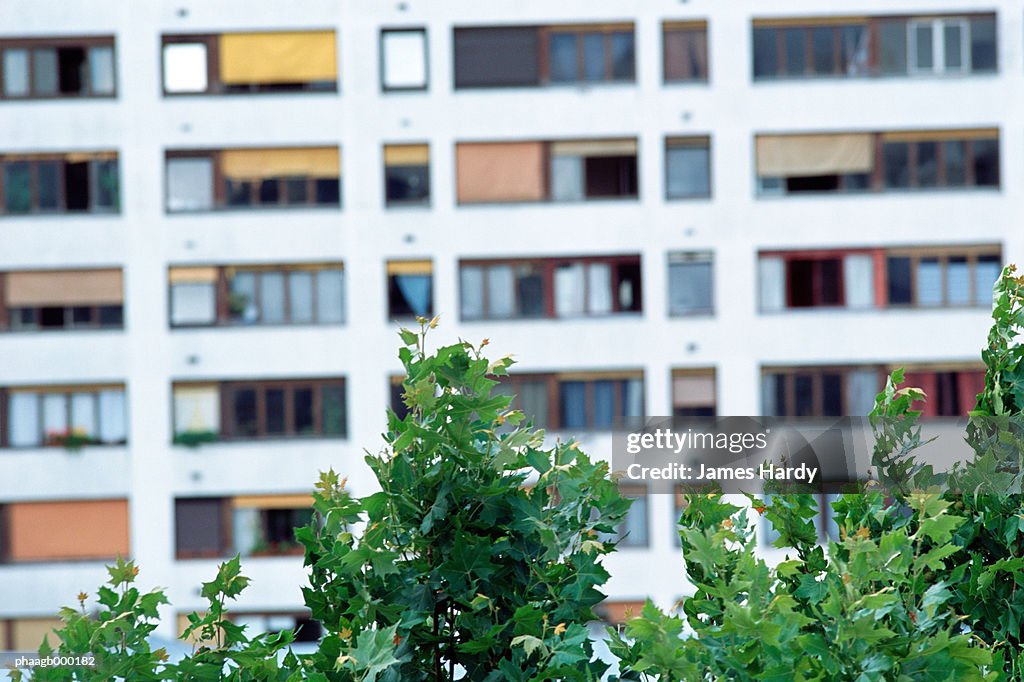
(141, 123)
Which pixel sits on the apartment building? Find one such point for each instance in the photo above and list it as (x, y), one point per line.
(215, 216)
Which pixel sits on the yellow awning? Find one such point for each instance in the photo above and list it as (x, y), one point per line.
(406, 155)
(937, 135)
(409, 267)
(200, 275)
(272, 501)
(251, 164)
(804, 155)
(280, 57)
(594, 148)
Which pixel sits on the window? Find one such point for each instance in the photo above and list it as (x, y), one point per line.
(25, 634)
(264, 525)
(59, 183)
(819, 391)
(581, 170)
(309, 630)
(817, 280)
(582, 55)
(860, 47)
(201, 527)
(57, 67)
(858, 162)
(687, 168)
(65, 416)
(252, 178)
(513, 56)
(229, 63)
(245, 410)
(693, 393)
(61, 300)
(297, 294)
(575, 287)
(406, 175)
(587, 401)
(633, 530)
(950, 391)
(690, 283)
(617, 612)
(78, 530)
(410, 289)
(685, 51)
(403, 55)
(942, 278)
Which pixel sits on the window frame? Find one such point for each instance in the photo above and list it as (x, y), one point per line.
(226, 530)
(9, 325)
(427, 200)
(580, 31)
(58, 43)
(817, 374)
(229, 426)
(702, 142)
(938, 26)
(971, 253)
(382, 56)
(93, 158)
(684, 258)
(688, 28)
(553, 383)
(67, 392)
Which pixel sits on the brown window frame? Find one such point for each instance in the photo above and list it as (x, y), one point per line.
(226, 535)
(817, 373)
(9, 325)
(580, 31)
(58, 43)
(937, 387)
(93, 158)
(229, 426)
(214, 85)
(553, 383)
(67, 392)
(971, 253)
(689, 29)
(547, 267)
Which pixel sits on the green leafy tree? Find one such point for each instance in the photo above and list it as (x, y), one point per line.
(480, 556)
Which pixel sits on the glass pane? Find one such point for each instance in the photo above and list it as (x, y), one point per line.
(107, 187)
(855, 52)
(330, 295)
(274, 403)
(327, 191)
(48, 185)
(562, 56)
(830, 270)
(566, 178)
(633, 531)
(796, 51)
(804, 393)
(242, 297)
(899, 281)
(15, 72)
(604, 404)
(983, 44)
(44, 71)
(296, 190)
(83, 414)
(471, 292)
(986, 163)
(269, 191)
(113, 420)
(300, 296)
(244, 405)
(501, 292)
(623, 59)
(893, 48)
(689, 288)
(688, 172)
(81, 316)
(599, 289)
(185, 67)
(573, 404)
(407, 184)
(822, 44)
(986, 272)
(927, 164)
(530, 291)
(832, 395)
(569, 291)
(272, 297)
(239, 193)
(923, 50)
(111, 315)
(404, 59)
(955, 162)
(929, 282)
(958, 281)
(303, 420)
(533, 402)
(17, 187)
(593, 57)
(766, 53)
(190, 184)
(896, 160)
(101, 70)
(332, 399)
(953, 45)
(55, 415)
(23, 420)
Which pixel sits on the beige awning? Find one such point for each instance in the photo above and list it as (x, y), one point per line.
(272, 501)
(199, 275)
(594, 148)
(249, 164)
(696, 390)
(280, 57)
(66, 287)
(406, 155)
(802, 155)
(409, 267)
(937, 135)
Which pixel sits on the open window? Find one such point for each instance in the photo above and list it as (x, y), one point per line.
(684, 51)
(819, 391)
(410, 289)
(40, 68)
(264, 525)
(38, 300)
(406, 175)
(59, 183)
(233, 63)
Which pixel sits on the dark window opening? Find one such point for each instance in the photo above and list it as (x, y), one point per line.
(815, 183)
(71, 70)
(76, 185)
(610, 176)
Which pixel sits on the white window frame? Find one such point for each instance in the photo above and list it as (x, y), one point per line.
(938, 26)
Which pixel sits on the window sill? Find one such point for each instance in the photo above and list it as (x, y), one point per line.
(57, 98)
(556, 318)
(929, 192)
(254, 325)
(633, 198)
(73, 450)
(76, 215)
(64, 330)
(260, 439)
(257, 93)
(691, 314)
(252, 209)
(834, 78)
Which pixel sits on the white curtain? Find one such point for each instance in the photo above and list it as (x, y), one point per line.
(330, 295)
(471, 284)
(929, 282)
(567, 178)
(83, 413)
(501, 291)
(101, 70)
(634, 398)
(863, 388)
(958, 282)
(859, 280)
(300, 296)
(272, 297)
(196, 409)
(569, 290)
(23, 419)
(15, 72)
(599, 288)
(193, 303)
(113, 417)
(185, 67)
(55, 413)
(246, 530)
(771, 275)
